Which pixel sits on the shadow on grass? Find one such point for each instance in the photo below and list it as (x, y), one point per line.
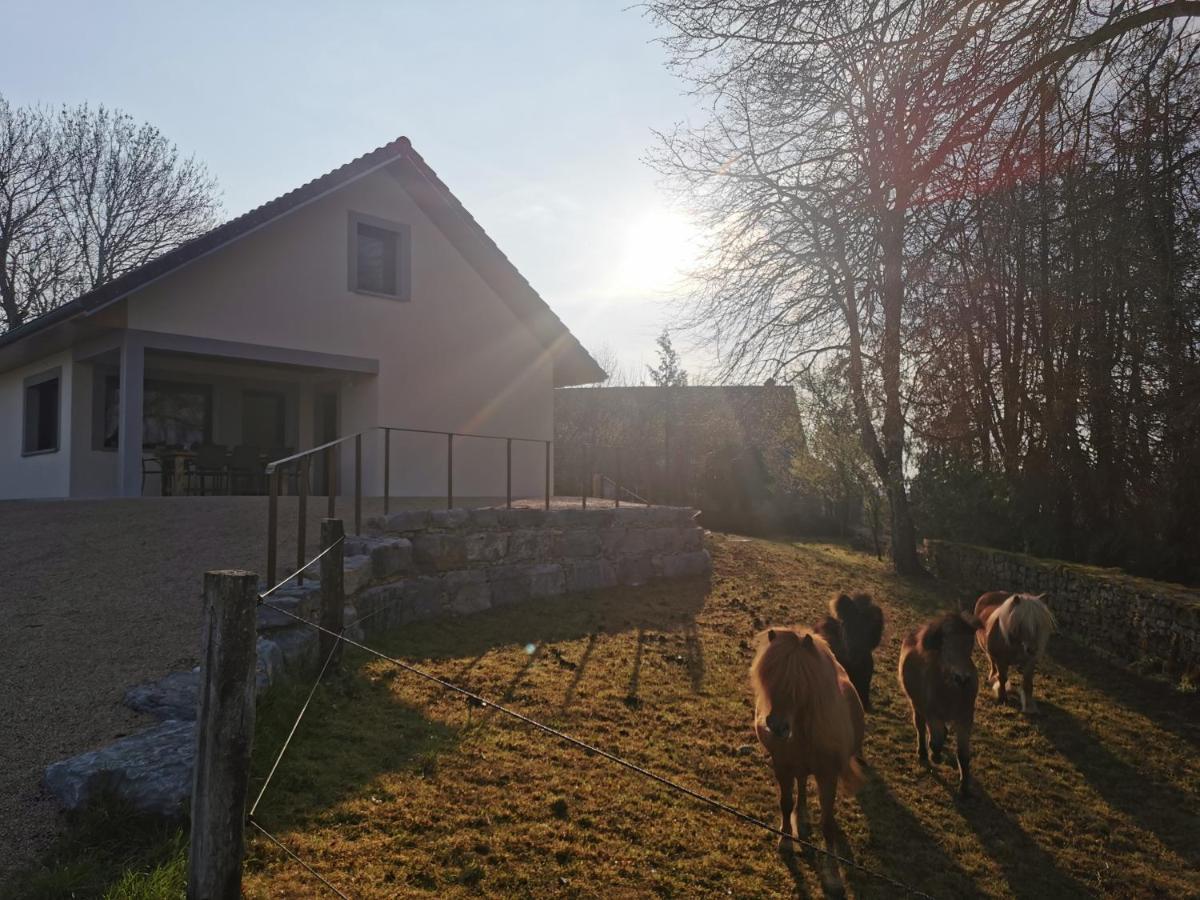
(108, 850)
(1029, 871)
(1175, 712)
(355, 729)
(1165, 811)
(904, 850)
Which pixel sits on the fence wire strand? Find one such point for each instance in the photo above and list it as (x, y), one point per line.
(304, 568)
(288, 740)
(711, 802)
(317, 875)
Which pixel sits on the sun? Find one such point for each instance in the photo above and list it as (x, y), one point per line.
(660, 248)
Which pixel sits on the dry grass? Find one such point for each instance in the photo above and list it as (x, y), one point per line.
(393, 788)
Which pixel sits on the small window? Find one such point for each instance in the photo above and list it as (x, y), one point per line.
(41, 413)
(379, 254)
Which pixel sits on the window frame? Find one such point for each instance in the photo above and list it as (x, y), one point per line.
(33, 381)
(403, 233)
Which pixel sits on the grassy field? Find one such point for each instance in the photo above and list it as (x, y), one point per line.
(393, 787)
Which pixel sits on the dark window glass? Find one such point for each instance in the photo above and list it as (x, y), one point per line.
(177, 415)
(41, 416)
(376, 254)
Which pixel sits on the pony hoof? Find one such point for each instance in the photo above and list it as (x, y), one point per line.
(785, 846)
(833, 886)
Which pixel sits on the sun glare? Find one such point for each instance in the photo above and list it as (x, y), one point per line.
(660, 247)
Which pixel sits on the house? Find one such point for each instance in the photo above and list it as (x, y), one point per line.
(726, 449)
(368, 296)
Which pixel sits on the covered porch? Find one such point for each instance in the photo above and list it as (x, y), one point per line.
(170, 415)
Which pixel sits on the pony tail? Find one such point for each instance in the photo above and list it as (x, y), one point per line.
(852, 777)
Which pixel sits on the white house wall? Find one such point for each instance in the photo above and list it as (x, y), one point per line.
(43, 474)
(452, 358)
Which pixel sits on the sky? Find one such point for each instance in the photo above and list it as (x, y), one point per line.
(538, 115)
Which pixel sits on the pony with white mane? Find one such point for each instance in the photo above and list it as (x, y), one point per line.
(1016, 629)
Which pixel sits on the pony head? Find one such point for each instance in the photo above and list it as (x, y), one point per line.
(791, 674)
(1026, 623)
(952, 639)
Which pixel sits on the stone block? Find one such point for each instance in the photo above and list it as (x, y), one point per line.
(484, 518)
(684, 565)
(382, 607)
(297, 648)
(529, 544)
(151, 771)
(486, 546)
(467, 591)
(425, 597)
(691, 538)
(634, 570)
(510, 584)
(391, 558)
(590, 575)
(268, 665)
(546, 580)
(356, 573)
(173, 696)
(635, 542)
(579, 543)
(449, 519)
(443, 552)
(521, 518)
(408, 520)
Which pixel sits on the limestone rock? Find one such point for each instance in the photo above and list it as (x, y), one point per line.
(151, 770)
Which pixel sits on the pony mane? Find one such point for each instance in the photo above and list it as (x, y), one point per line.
(803, 678)
(1026, 615)
(863, 618)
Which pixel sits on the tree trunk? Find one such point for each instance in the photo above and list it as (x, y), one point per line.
(904, 536)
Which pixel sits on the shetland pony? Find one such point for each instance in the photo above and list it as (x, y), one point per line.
(808, 717)
(1016, 628)
(853, 630)
(939, 677)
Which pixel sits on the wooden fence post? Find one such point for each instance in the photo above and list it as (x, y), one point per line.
(224, 735)
(333, 589)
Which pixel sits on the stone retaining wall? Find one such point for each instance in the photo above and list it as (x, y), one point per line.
(1151, 623)
(410, 566)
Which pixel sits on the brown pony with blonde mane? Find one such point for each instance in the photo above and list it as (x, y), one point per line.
(1016, 628)
(809, 718)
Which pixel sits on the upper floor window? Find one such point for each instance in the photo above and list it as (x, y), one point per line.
(41, 412)
(379, 257)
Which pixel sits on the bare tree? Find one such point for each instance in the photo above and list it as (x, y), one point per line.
(837, 128)
(32, 255)
(127, 195)
(85, 196)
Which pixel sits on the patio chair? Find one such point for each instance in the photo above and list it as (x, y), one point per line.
(211, 462)
(246, 470)
(152, 464)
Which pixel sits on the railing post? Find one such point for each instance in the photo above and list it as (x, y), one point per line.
(331, 479)
(224, 735)
(450, 471)
(302, 524)
(617, 483)
(333, 589)
(508, 478)
(358, 484)
(547, 474)
(387, 467)
(272, 525)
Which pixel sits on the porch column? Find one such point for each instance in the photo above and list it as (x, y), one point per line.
(129, 435)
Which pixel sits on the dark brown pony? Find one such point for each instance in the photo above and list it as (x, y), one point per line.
(1016, 628)
(853, 630)
(939, 677)
(808, 716)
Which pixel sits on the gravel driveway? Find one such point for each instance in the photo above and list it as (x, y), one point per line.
(98, 595)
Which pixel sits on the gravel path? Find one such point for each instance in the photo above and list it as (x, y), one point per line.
(98, 595)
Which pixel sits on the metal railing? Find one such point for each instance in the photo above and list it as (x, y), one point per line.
(303, 460)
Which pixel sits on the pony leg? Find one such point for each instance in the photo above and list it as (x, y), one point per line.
(962, 739)
(1028, 704)
(803, 828)
(937, 739)
(919, 724)
(1000, 688)
(831, 878)
(786, 778)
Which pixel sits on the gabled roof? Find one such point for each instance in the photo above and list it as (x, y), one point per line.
(572, 363)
